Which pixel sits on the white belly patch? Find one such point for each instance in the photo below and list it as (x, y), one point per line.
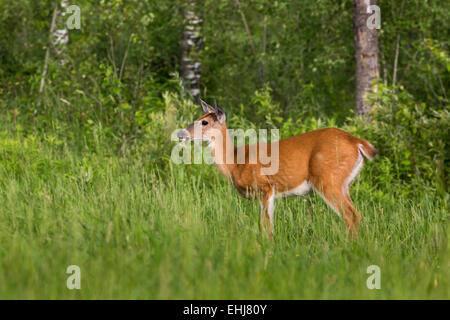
(301, 190)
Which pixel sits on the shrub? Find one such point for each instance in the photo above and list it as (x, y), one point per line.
(412, 138)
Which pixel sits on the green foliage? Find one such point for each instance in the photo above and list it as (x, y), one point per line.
(412, 138)
(118, 90)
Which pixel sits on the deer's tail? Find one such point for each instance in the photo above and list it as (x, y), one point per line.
(367, 149)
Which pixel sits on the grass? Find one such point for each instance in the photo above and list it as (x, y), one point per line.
(188, 235)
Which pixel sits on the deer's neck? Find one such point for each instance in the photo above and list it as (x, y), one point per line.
(222, 149)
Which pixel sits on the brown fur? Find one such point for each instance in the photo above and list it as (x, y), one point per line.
(324, 158)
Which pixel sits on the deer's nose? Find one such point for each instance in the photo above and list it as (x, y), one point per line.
(183, 135)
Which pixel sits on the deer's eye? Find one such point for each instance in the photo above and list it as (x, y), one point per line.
(204, 122)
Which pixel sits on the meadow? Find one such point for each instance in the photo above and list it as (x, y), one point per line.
(86, 120)
(138, 233)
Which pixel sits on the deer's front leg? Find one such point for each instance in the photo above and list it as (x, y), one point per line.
(267, 201)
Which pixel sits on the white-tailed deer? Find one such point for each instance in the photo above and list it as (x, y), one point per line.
(324, 160)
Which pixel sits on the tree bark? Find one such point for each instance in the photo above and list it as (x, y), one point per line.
(47, 53)
(366, 55)
(190, 49)
(58, 39)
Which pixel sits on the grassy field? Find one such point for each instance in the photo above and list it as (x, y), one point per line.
(188, 235)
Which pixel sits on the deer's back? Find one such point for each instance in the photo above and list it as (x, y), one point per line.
(315, 153)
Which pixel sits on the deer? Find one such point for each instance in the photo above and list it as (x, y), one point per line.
(325, 161)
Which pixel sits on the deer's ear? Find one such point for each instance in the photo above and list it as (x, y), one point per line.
(220, 114)
(207, 108)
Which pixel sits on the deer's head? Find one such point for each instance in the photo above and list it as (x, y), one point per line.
(207, 127)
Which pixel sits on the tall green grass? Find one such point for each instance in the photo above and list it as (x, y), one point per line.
(186, 234)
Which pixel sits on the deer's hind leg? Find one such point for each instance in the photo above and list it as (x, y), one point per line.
(339, 203)
(334, 190)
(346, 188)
(267, 201)
(331, 178)
(356, 215)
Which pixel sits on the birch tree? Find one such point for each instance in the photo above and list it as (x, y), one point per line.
(366, 54)
(58, 38)
(190, 48)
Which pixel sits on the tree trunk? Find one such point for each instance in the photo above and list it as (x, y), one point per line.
(190, 49)
(58, 39)
(366, 55)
